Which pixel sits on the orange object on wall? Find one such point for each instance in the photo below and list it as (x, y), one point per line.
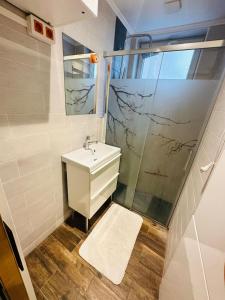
(49, 33)
(40, 30)
(93, 58)
(38, 27)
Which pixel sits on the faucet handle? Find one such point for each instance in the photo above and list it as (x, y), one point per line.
(88, 138)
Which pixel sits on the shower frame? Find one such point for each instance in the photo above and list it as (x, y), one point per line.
(167, 48)
(171, 48)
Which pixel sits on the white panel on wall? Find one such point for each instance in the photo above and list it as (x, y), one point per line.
(209, 202)
(210, 223)
(176, 282)
(212, 139)
(184, 278)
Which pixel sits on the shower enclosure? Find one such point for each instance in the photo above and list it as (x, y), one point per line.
(159, 101)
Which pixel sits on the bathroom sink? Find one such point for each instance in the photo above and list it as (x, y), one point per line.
(92, 175)
(93, 158)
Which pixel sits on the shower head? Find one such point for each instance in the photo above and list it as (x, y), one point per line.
(140, 35)
(137, 35)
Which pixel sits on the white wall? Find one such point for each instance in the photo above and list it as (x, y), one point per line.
(201, 258)
(184, 278)
(34, 130)
(192, 192)
(210, 225)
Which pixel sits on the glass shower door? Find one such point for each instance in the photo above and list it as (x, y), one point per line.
(129, 111)
(187, 85)
(158, 107)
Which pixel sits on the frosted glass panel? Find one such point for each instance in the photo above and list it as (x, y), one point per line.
(185, 91)
(127, 126)
(169, 145)
(130, 102)
(157, 122)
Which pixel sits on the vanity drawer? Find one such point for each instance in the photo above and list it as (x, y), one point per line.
(99, 200)
(103, 177)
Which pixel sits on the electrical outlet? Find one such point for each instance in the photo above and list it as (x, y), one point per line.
(40, 30)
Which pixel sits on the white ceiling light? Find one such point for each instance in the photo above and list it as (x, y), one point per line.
(172, 6)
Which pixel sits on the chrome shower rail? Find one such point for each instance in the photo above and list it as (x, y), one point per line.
(168, 48)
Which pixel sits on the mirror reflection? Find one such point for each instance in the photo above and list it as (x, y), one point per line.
(79, 77)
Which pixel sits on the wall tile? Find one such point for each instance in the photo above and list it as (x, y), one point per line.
(26, 183)
(6, 22)
(7, 151)
(197, 182)
(209, 140)
(35, 162)
(13, 49)
(14, 101)
(190, 196)
(45, 211)
(17, 203)
(23, 125)
(212, 139)
(39, 193)
(9, 171)
(41, 228)
(34, 130)
(5, 131)
(37, 80)
(25, 232)
(29, 145)
(217, 123)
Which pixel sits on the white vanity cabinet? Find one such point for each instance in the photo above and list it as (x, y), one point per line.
(91, 177)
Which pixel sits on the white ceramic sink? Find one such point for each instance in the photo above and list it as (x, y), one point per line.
(92, 176)
(92, 159)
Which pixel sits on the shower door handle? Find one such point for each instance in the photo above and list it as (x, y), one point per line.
(207, 167)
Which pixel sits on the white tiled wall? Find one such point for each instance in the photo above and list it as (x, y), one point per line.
(210, 225)
(34, 130)
(184, 278)
(196, 269)
(192, 193)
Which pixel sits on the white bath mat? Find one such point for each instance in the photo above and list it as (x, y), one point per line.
(109, 246)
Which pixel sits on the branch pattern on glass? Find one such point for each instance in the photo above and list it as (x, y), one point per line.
(127, 102)
(174, 145)
(79, 97)
(156, 173)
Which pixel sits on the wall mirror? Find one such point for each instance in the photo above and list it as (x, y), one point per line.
(79, 78)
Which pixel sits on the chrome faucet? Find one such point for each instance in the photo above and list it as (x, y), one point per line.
(88, 142)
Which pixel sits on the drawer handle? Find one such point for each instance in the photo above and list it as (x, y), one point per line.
(104, 187)
(103, 166)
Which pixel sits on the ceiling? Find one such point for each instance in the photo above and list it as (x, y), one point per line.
(155, 15)
(59, 12)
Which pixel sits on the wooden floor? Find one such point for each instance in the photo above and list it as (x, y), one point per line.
(58, 272)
